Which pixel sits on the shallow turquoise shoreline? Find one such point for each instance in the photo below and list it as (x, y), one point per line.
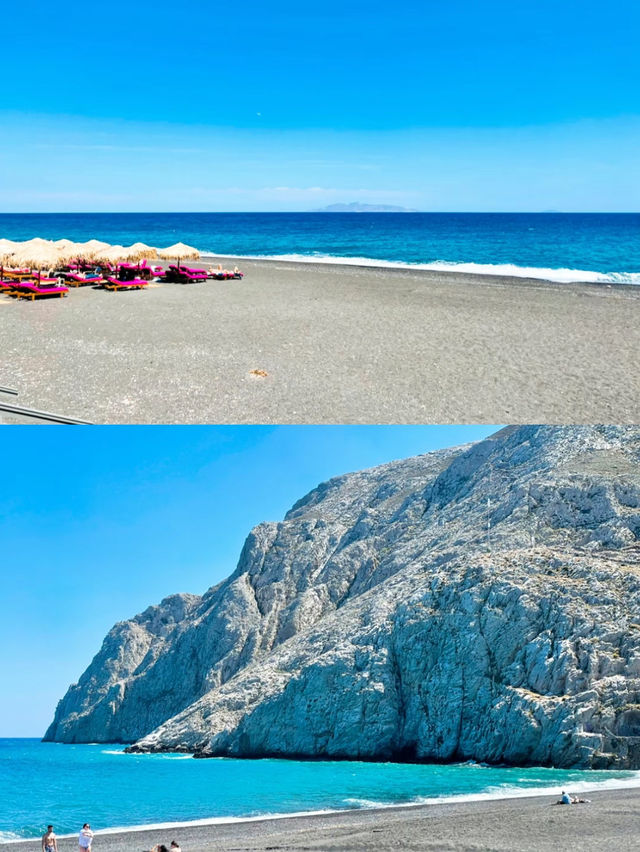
(70, 784)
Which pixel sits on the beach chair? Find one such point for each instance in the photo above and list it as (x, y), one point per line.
(195, 275)
(17, 274)
(75, 280)
(115, 285)
(132, 271)
(85, 265)
(149, 272)
(127, 272)
(45, 282)
(185, 275)
(24, 290)
(170, 274)
(79, 265)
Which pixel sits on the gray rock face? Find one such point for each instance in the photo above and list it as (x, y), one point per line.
(91, 708)
(476, 603)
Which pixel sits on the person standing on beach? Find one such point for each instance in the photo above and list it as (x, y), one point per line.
(49, 841)
(85, 838)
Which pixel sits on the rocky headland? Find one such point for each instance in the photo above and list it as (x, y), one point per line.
(481, 602)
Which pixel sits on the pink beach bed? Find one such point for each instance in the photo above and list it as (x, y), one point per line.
(36, 291)
(114, 285)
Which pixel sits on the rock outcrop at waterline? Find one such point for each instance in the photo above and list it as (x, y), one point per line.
(476, 603)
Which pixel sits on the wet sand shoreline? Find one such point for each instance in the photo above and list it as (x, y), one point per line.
(610, 821)
(338, 343)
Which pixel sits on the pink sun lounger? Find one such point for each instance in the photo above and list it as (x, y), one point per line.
(34, 291)
(75, 280)
(114, 285)
(17, 274)
(191, 270)
(131, 271)
(142, 265)
(184, 274)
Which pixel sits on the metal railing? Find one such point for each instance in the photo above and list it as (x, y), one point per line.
(35, 414)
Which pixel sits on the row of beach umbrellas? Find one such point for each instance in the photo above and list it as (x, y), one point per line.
(45, 254)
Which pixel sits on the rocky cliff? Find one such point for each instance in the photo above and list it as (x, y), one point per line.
(481, 602)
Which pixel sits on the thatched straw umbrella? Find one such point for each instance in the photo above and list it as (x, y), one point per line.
(179, 251)
(117, 254)
(37, 256)
(131, 253)
(85, 251)
(37, 247)
(144, 251)
(7, 248)
(90, 248)
(36, 243)
(121, 254)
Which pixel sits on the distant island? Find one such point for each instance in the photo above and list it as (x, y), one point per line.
(357, 207)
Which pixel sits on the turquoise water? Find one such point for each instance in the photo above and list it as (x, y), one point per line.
(72, 784)
(559, 246)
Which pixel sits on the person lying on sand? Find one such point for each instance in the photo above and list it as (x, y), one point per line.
(222, 274)
(566, 799)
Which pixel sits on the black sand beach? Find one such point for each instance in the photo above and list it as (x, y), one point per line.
(610, 822)
(338, 344)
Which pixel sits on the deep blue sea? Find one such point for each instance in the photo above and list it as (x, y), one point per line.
(68, 785)
(556, 246)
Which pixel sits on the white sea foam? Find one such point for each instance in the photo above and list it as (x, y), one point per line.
(508, 791)
(561, 276)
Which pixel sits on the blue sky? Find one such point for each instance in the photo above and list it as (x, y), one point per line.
(97, 524)
(463, 105)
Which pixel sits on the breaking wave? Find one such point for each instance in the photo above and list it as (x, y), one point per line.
(506, 791)
(560, 275)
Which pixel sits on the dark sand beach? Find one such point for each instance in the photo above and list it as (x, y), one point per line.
(338, 344)
(610, 822)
